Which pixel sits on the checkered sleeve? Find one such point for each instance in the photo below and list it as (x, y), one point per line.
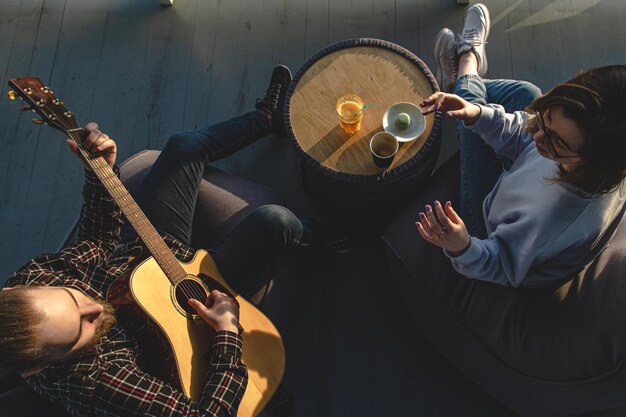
(124, 390)
(100, 220)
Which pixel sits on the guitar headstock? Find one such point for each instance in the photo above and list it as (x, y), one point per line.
(41, 100)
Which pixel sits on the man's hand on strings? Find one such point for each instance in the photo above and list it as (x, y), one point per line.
(219, 311)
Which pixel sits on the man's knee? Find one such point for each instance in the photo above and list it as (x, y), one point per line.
(182, 143)
(274, 220)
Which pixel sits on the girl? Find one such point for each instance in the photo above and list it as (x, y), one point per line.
(542, 189)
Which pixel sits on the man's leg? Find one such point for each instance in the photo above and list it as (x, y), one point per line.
(169, 192)
(247, 255)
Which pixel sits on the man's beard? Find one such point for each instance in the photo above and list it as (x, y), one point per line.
(106, 320)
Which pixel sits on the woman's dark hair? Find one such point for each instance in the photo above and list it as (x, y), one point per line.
(596, 101)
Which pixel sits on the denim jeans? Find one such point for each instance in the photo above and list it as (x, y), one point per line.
(169, 192)
(480, 166)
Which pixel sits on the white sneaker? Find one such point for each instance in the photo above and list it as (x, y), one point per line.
(474, 35)
(446, 59)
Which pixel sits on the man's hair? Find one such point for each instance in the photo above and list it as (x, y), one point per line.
(596, 101)
(20, 349)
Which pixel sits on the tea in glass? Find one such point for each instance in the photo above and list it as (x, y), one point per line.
(350, 110)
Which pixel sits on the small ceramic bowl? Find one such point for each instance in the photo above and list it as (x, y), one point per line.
(414, 129)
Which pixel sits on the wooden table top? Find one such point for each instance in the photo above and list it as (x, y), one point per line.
(379, 76)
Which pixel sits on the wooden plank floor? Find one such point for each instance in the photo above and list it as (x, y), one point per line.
(144, 72)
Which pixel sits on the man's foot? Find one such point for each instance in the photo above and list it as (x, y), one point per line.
(474, 35)
(273, 104)
(446, 59)
(334, 237)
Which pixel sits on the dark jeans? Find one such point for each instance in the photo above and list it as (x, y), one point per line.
(169, 192)
(480, 166)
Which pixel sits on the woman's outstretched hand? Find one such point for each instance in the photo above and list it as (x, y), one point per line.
(443, 227)
(453, 106)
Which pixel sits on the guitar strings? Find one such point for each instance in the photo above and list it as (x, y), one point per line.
(197, 290)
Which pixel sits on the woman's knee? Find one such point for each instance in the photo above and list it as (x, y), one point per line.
(471, 88)
(529, 90)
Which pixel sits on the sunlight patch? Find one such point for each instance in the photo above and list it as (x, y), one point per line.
(557, 10)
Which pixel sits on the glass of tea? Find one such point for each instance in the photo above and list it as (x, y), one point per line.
(350, 111)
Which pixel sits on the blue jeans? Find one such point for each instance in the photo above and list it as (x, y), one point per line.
(169, 192)
(480, 165)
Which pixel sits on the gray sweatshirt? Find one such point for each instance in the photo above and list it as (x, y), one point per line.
(539, 232)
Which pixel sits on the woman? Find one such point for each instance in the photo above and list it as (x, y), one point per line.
(542, 190)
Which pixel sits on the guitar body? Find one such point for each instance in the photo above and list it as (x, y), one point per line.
(184, 338)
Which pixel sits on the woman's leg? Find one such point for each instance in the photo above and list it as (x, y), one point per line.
(480, 166)
(513, 95)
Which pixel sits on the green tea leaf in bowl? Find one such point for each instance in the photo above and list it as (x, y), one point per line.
(403, 121)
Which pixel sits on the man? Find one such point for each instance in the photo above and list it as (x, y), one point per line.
(59, 333)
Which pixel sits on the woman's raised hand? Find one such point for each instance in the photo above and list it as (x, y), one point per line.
(444, 228)
(453, 106)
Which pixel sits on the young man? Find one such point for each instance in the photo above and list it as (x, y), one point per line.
(60, 334)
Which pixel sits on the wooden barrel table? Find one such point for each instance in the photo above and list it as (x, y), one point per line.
(337, 169)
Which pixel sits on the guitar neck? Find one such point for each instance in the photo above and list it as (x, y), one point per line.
(147, 233)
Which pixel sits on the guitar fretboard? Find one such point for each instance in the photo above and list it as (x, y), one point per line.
(148, 234)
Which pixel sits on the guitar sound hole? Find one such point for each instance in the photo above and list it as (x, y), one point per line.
(187, 289)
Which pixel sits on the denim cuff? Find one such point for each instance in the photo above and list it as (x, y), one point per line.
(471, 87)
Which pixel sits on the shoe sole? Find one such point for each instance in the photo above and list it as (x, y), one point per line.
(286, 68)
(281, 129)
(438, 51)
(483, 70)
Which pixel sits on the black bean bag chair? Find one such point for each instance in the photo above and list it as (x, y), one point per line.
(550, 352)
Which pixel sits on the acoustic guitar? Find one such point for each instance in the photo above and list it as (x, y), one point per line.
(152, 300)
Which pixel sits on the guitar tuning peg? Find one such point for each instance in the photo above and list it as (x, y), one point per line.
(38, 121)
(26, 108)
(12, 95)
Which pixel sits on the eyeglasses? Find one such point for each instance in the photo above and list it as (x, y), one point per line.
(550, 140)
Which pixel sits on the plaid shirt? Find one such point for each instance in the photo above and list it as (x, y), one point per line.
(107, 380)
